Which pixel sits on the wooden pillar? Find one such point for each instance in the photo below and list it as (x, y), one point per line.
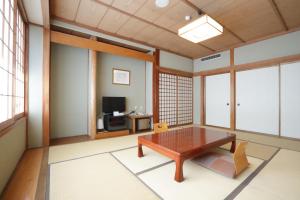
(46, 87)
(92, 121)
(232, 91)
(155, 86)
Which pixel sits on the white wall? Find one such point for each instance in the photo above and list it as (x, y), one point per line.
(149, 66)
(12, 146)
(69, 91)
(222, 61)
(197, 101)
(135, 93)
(284, 45)
(174, 61)
(35, 85)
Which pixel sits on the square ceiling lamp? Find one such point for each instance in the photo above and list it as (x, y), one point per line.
(201, 29)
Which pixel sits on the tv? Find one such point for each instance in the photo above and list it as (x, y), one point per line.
(111, 104)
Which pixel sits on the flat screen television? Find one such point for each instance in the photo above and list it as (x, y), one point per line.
(111, 104)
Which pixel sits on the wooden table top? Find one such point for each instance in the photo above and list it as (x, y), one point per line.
(185, 140)
(139, 116)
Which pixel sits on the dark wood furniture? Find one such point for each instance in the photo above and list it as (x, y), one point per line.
(135, 118)
(186, 143)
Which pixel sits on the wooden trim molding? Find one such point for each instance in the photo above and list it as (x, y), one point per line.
(46, 13)
(46, 87)
(232, 99)
(22, 10)
(26, 79)
(267, 63)
(213, 71)
(175, 72)
(155, 87)
(80, 42)
(232, 91)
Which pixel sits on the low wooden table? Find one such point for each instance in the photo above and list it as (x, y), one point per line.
(134, 119)
(186, 143)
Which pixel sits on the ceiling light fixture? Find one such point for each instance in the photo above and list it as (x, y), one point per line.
(161, 3)
(201, 29)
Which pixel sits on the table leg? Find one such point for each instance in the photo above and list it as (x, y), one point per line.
(179, 171)
(232, 149)
(133, 126)
(140, 151)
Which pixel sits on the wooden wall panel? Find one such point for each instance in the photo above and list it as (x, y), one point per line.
(131, 27)
(131, 6)
(289, 10)
(150, 12)
(248, 19)
(90, 13)
(148, 33)
(112, 21)
(222, 41)
(66, 9)
(174, 18)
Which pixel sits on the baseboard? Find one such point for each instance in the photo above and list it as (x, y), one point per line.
(109, 134)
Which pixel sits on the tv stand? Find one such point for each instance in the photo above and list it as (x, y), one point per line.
(115, 123)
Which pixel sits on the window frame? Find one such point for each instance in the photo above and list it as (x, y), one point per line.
(17, 11)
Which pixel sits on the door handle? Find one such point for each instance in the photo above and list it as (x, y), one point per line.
(238, 104)
(227, 104)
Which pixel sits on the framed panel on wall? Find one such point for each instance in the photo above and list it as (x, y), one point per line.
(121, 77)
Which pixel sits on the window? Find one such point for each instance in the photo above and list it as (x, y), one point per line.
(175, 99)
(12, 50)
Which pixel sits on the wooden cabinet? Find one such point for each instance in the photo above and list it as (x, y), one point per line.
(290, 100)
(217, 98)
(257, 100)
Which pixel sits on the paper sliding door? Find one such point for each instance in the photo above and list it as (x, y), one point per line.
(290, 100)
(257, 100)
(217, 98)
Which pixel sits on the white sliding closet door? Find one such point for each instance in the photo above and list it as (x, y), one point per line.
(257, 100)
(290, 100)
(217, 98)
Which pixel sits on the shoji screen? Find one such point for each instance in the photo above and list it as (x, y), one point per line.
(217, 98)
(168, 98)
(175, 99)
(257, 99)
(185, 100)
(290, 100)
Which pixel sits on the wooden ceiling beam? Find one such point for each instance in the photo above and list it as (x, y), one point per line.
(117, 35)
(278, 14)
(146, 21)
(75, 41)
(187, 2)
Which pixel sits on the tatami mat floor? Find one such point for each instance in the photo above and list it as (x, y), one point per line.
(110, 169)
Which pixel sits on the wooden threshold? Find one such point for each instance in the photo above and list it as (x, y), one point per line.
(69, 140)
(24, 181)
(109, 134)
